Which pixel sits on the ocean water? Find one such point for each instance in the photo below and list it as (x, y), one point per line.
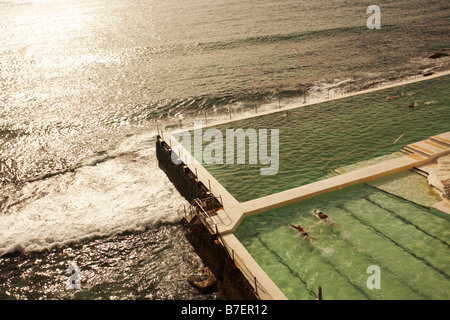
(84, 85)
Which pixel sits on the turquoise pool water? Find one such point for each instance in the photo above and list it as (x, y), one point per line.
(408, 242)
(309, 137)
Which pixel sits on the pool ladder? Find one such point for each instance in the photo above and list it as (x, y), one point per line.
(201, 209)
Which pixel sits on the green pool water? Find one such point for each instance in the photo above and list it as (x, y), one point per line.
(408, 242)
(311, 136)
(388, 223)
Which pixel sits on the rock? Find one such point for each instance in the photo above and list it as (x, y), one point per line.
(438, 54)
(205, 282)
(440, 178)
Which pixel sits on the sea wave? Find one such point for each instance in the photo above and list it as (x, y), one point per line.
(127, 192)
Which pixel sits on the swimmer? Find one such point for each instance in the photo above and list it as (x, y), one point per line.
(302, 232)
(321, 215)
(324, 217)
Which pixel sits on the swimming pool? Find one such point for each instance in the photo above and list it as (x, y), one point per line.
(388, 223)
(309, 137)
(408, 242)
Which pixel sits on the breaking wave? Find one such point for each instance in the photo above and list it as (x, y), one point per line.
(127, 192)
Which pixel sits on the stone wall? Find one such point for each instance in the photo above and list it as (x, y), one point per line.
(182, 178)
(232, 282)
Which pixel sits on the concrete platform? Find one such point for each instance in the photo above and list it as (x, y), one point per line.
(431, 147)
(331, 184)
(443, 139)
(428, 167)
(444, 206)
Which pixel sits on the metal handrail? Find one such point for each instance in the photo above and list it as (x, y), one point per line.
(196, 208)
(362, 152)
(240, 265)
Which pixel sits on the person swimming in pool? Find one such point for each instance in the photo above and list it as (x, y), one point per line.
(325, 218)
(303, 232)
(320, 214)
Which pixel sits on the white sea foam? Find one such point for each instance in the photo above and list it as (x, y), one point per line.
(125, 193)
